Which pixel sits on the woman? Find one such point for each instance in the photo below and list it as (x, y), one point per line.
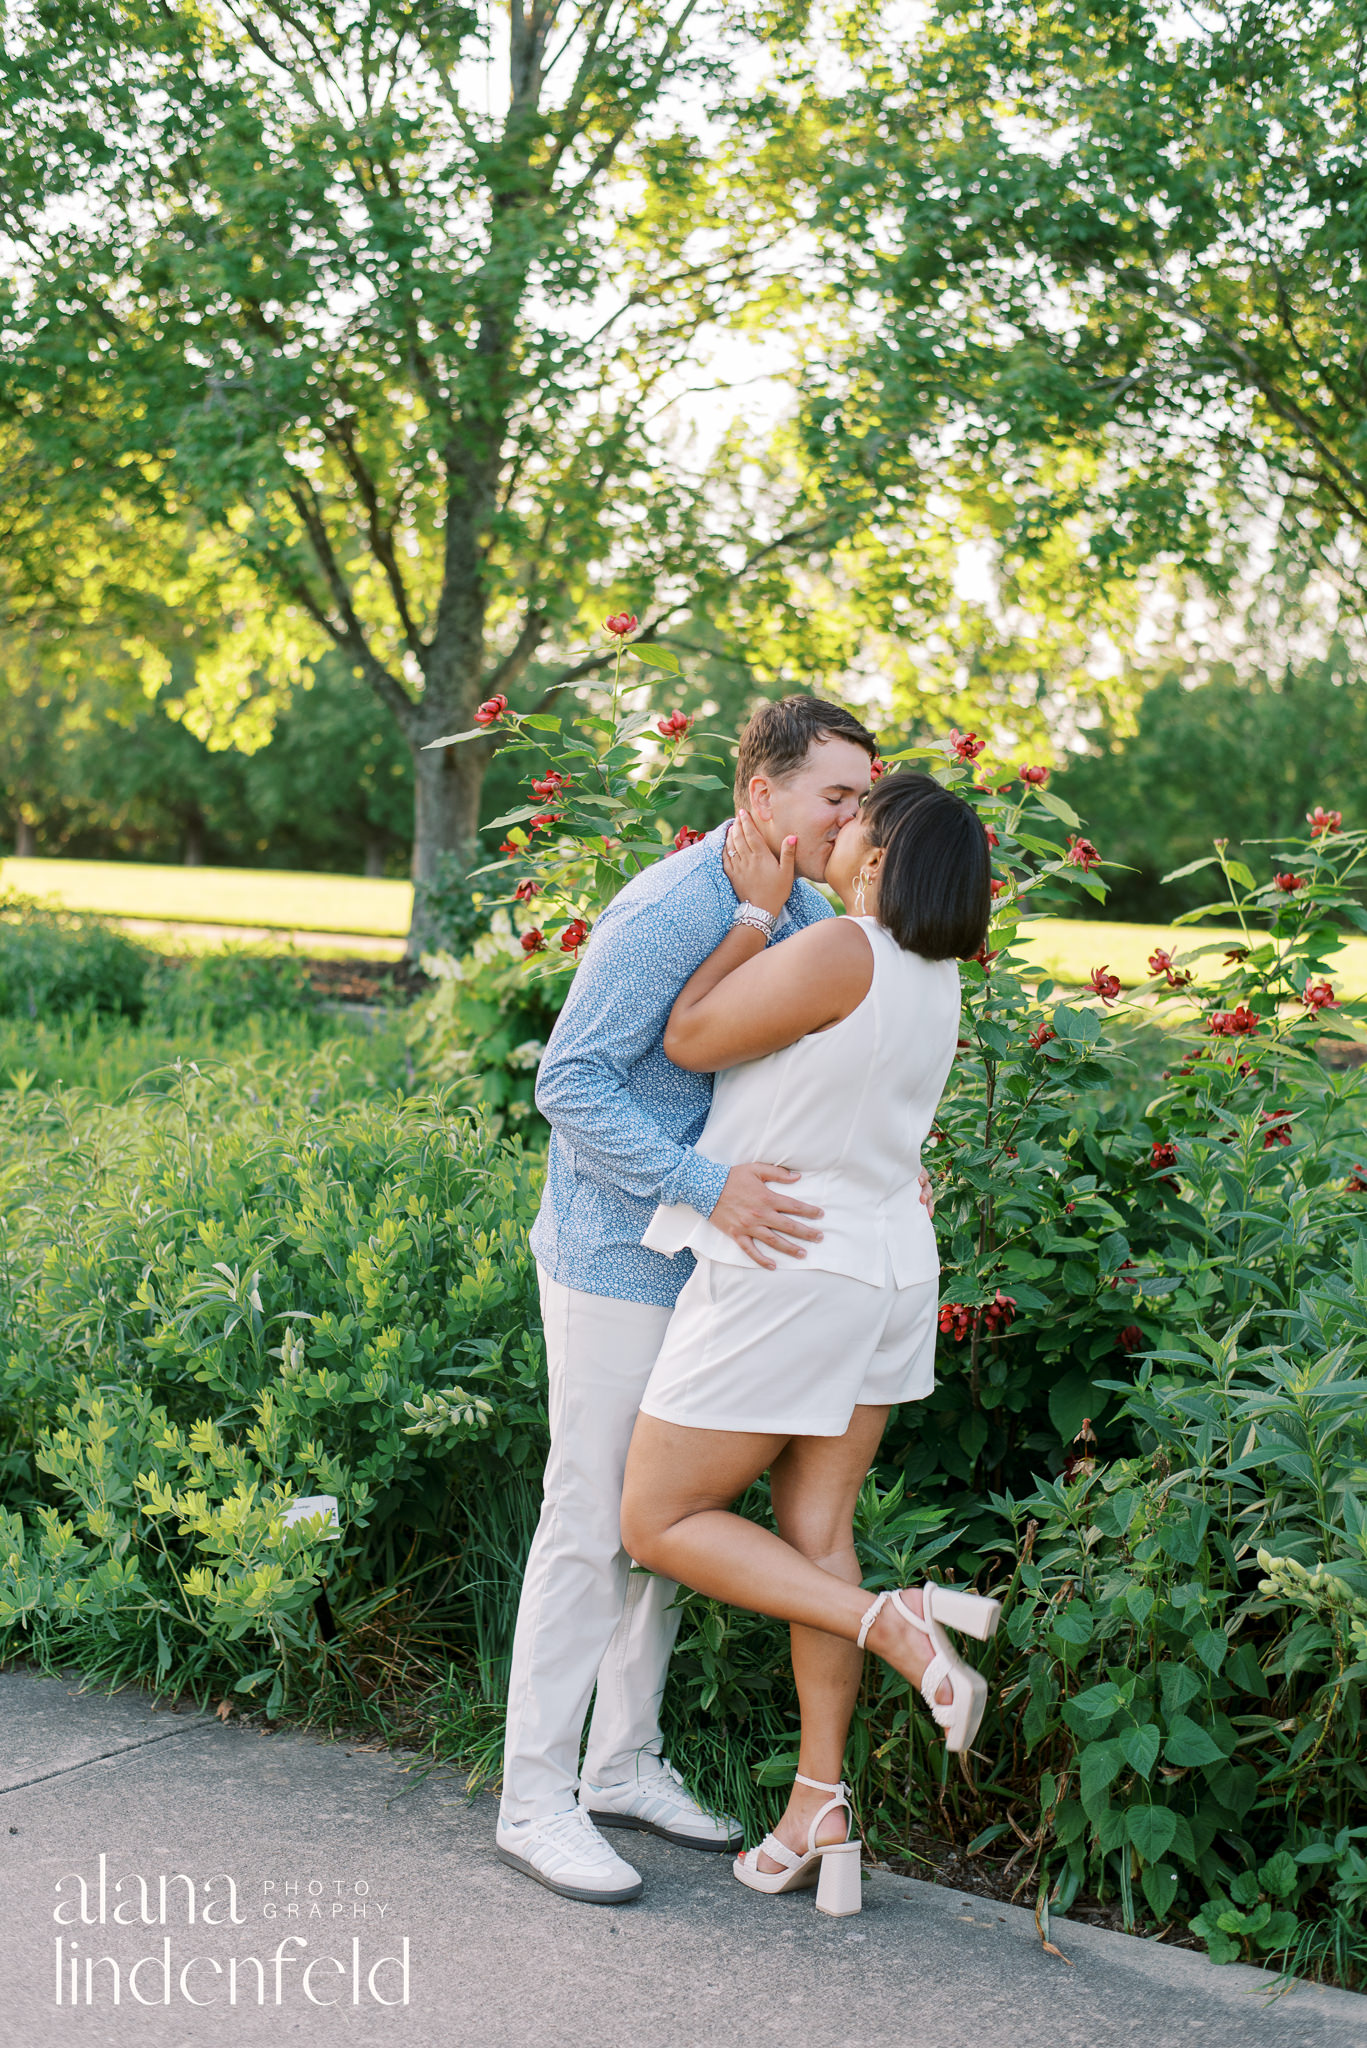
(831, 1053)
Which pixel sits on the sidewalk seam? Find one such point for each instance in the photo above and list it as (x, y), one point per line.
(127, 1749)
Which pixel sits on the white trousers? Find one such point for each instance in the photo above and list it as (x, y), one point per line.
(586, 1617)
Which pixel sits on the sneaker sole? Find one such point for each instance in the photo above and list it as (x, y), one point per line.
(573, 1891)
(652, 1827)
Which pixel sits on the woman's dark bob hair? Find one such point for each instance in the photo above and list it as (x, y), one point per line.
(935, 881)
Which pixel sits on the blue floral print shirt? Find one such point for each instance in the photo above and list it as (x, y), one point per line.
(623, 1117)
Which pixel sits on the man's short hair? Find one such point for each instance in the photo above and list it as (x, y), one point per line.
(779, 737)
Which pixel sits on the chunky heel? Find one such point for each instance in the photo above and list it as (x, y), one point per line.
(833, 1867)
(970, 1613)
(942, 1607)
(839, 1889)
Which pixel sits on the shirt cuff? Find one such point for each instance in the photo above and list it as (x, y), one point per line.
(696, 1180)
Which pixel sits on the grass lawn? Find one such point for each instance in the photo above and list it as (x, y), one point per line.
(241, 898)
(1069, 948)
(242, 902)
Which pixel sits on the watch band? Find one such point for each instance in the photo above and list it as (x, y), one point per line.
(758, 920)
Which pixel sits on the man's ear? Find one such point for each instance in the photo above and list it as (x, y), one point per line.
(758, 800)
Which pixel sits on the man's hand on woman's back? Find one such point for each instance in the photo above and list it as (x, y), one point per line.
(756, 1213)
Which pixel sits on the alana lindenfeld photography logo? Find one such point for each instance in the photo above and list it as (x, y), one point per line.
(305, 1940)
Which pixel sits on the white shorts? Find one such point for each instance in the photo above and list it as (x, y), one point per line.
(792, 1352)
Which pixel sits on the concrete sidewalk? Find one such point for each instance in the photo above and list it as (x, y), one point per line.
(342, 1865)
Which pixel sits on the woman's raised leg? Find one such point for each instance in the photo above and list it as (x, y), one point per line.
(679, 1485)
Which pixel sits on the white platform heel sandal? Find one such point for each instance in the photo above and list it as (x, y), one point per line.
(945, 1607)
(833, 1867)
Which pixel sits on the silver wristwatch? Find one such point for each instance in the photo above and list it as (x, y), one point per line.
(757, 919)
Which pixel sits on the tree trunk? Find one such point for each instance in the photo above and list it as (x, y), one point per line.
(25, 840)
(374, 852)
(446, 790)
(194, 841)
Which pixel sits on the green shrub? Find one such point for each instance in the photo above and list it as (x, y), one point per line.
(219, 1298)
(54, 963)
(223, 989)
(485, 1025)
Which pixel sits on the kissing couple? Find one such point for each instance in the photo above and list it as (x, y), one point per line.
(738, 1275)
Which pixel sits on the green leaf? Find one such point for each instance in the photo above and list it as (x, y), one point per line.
(453, 739)
(1160, 1888)
(1192, 867)
(1180, 1687)
(1102, 1763)
(1237, 872)
(1152, 1830)
(1141, 1754)
(1189, 1745)
(1212, 1647)
(1279, 1874)
(1057, 806)
(1139, 1601)
(1071, 1401)
(1075, 1624)
(655, 657)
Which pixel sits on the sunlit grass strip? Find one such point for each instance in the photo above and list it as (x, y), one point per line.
(251, 898)
(1069, 948)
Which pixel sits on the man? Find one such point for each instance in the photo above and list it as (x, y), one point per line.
(623, 1121)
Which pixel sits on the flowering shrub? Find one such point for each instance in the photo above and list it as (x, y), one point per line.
(594, 815)
(1189, 1273)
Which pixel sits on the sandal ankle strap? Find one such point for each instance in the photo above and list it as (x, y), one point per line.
(816, 1785)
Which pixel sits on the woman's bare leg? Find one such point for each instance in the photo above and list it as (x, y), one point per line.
(679, 1484)
(815, 1483)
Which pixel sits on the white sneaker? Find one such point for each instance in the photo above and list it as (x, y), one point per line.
(657, 1801)
(566, 1853)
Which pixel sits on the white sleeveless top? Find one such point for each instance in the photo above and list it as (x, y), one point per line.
(848, 1108)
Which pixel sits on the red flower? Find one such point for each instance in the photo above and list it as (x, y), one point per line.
(1036, 777)
(686, 836)
(551, 784)
(574, 935)
(1041, 1036)
(1236, 954)
(621, 624)
(1125, 1266)
(1081, 853)
(999, 888)
(1163, 1155)
(525, 891)
(992, 838)
(543, 821)
(1105, 984)
(491, 710)
(1001, 1313)
(533, 941)
(1131, 1339)
(956, 1320)
(1160, 962)
(1288, 884)
(1357, 1185)
(508, 847)
(1319, 995)
(1278, 1130)
(1319, 820)
(674, 727)
(984, 958)
(1235, 1023)
(878, 767)
(967, 746)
